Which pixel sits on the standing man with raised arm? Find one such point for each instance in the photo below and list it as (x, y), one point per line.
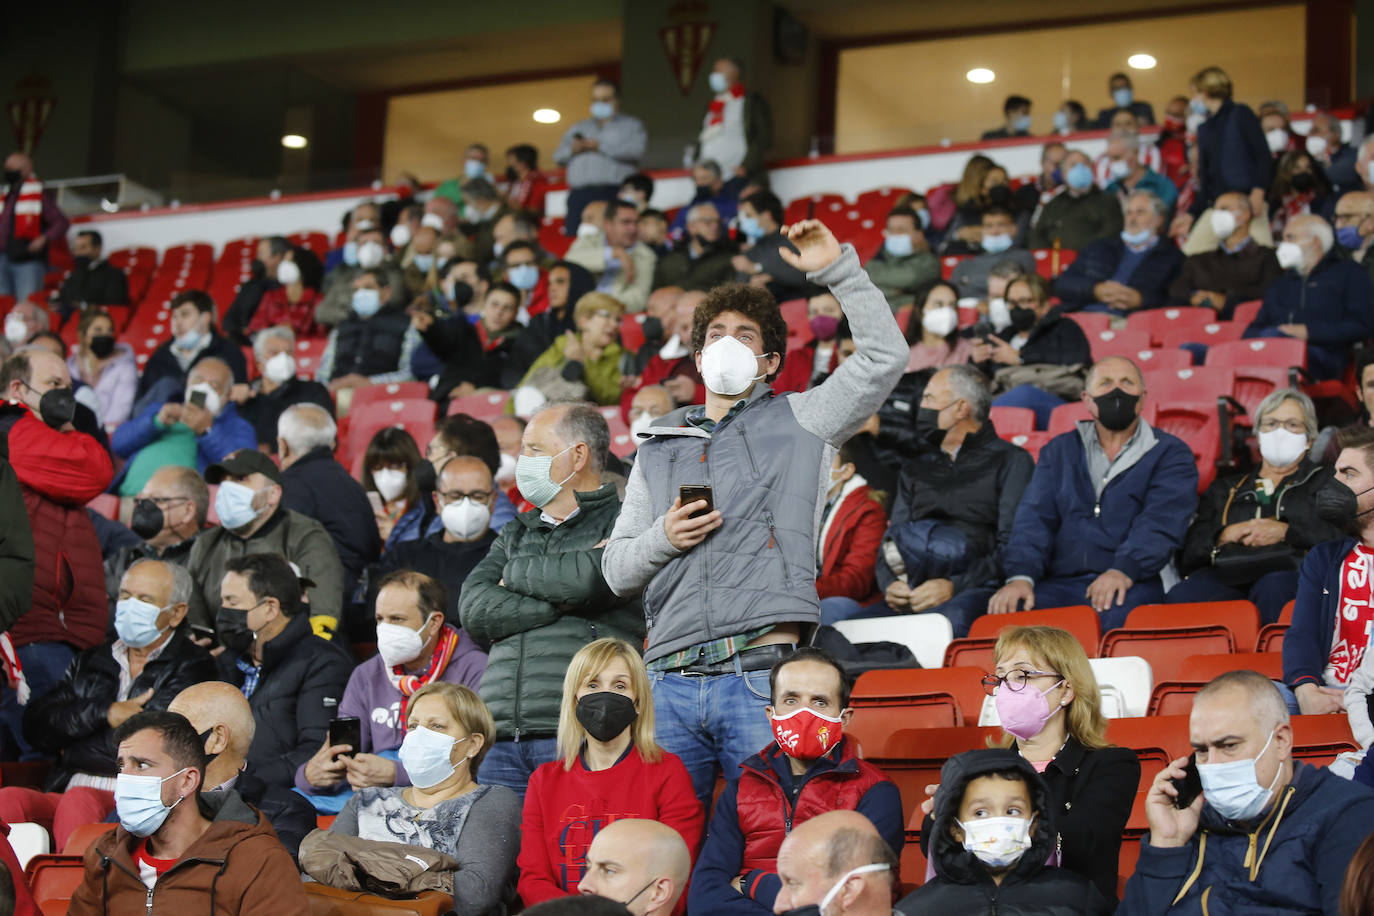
(731, 590)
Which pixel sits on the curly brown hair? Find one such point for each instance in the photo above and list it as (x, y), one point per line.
(754, 303)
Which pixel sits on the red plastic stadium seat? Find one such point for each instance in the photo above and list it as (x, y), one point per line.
(912, 758)
(1318, 740)
(1125, 343)
(1253, 383)
(875, 204)
(1155, 739)
(1245, 312)
(632, 332)
(949, 262)
(1032, 442)
(1198, 424)
(798, 325)
(1157, 359)
(976, 649)
(308, 353)
(1050, 264)
(1175, 697)
(80, 839)
(392, 391)
(885, 701)
(1064, 418)
(1278, 352)
(52, 880)
(1270, 637)
(416, 416)
(106, 504)
(1191, 383)
(484, 405)
(913, 864)
(1157, 322)
(1091, 322)
(1008, 420)
(1209, 334)
(829, 208)
(1166, 634)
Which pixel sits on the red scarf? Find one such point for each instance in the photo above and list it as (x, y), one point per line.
(715, 112)
(1355, 617)
(28, 208)
(1294, 204)
(409, 683)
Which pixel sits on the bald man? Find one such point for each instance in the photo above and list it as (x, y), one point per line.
(1107, 506)
(640, 863)
(1354, 222)
(222, 717)
(838, 862)
(1321, 298)
(1239, 269)
(1278, 833)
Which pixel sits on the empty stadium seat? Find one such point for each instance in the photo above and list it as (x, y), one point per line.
(823, 207)
(1156, 740)
(1198, 424)
(912, 758)
(1091, 322)
(1175, 697)
(1125, 343)
(29, 840)
(52, 880)
(1167, 634)
(875, 204)
(415, 416)
(1008, 420)
(392, 391)
(1319, 740)
(484, 405)
(1241, 618)
(1214, 332)
(1050, 262)
(926, 635)
(976, 648)
(632, 332)
(1245, 312)
(1270, 638)
(1279, 352)
(886, 701)
(1158, 322)
(1189, 383)
(1251, 384)
(82, 837)
(308, 353)
(949, 262)
(1031, 442)
(1065, 417)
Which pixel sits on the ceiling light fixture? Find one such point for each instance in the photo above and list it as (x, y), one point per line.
(547, 115)
(980, 75)
(294, 141)
(1142, 61)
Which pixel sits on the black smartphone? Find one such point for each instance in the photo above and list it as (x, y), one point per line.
(197, 399)
(693, 493)
(346, 730)
(1189, 786)
(201, 632)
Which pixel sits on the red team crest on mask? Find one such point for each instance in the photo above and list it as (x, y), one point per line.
(806, 734)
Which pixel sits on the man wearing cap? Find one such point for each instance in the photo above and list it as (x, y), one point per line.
(252, 520)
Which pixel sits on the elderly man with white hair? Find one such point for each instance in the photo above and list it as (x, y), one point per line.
(1130, 272)
(1128, 171)
(1321, 298)
(1266, 833)
(279, 386)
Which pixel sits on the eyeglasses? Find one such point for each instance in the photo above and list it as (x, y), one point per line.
(1293, 426)
(477, 496)
(161, 501)
(1025, 303)
(1347, 218)
(1015, 679)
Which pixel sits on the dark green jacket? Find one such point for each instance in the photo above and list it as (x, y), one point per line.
(554, 601)
(1077, 221)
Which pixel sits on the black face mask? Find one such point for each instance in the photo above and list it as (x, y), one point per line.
(928, 426)
(231, 625)
(462, 293)
(1303, 182)
(57, 406)
(627, 903)
(258, 269)
(1022, 319)
(12, 176)
(605, 714)
(999, 194)
(81, 262)
(653, 329)
(425, 477)
(1116, 409)
(1338, 504)
(511, 174)
(102, 345)
(147, 521)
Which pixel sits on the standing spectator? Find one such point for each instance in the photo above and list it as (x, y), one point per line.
(539, 595)
(1336, 157)
(1051, 177)
(1123, 98)
(30, 223)
(193, 338)
(609, 767)
(710, 189)
(737, 129)
(762, 263)
(622, 265)
(292, 678)
(106, 367)
(932, 329)
(528, 186)
(1128, 171)
(588, 360)
(168, 513)
(475, 161)
(270, 253)
(1071, 118)
(1143, 486)
(1299, 189)
(1016, 119)
(626, 852)
(997, 246)
(703, 260)
(599, 152)
(1238, 270)
(904, 264)
(1354, 222)
(371, 347)
(852, 526)
(1125, 274)
(262, 401)
(1080, 213)
(93, 280)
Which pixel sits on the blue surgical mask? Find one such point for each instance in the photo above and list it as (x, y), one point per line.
(234, 505)
(188, 341)
(1198, 107)
(924, 216)
(718, 82)
(1061, 121)
(749, 225)
(899, 246)
(1021, 123)
(423, 262)
(996, 242)
(523, 277)
(1349, 237)
(1123, 97)
(603, 111)
(366, 302)
(533, 481)
(350, 254)
(138, 802)
(1079, 177)
(1136, 239)
(427, 756)
(1231, 788)
(136, 622)
(474, 168)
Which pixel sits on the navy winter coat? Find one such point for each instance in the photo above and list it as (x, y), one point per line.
(1100, 260)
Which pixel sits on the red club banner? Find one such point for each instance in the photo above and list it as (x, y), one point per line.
(30, 107)
(685, 42)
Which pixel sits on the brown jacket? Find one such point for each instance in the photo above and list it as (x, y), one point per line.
(237, 866)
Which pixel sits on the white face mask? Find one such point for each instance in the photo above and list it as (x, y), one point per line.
(465, 519)
(1289, 255)
(1223, 223)
(288, 273)
(940, 321)
(213, 404)
(640, 424)
(16, 331)
(279, 368)
(370, 254)
(1277, 140)
(999, 314)
(397, 644)
(839, 885)
(400, 238)
(997, 841)
(390, 482)
(1316, 146)
(1280, 448)
(728, 367)
(505, 474)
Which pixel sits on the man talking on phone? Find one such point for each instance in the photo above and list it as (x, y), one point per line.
(729, 592)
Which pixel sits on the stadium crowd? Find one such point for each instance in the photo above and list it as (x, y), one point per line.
(495, 658)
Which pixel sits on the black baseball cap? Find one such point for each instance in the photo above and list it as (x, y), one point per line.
(242, 463)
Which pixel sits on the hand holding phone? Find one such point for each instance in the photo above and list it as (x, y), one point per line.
(347, 730)
(1189, 786)
(691, 493)
(196, 399)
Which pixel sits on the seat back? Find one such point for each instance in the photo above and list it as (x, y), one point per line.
(391, 391)
(1166, 648)
(898, 687)
(1278, 352)
(1155, 739)
(926, 635)
(1175, 697)
(1270, 637)
(912, 758)
(1318, 740)
(1080, 620)
(415, 416)
(1125, 684)
(52, 880)
(1007, 420)
(1064, 417)
(483, 405)
(1125, 343)
(1162, 359)
(29, 840)
(1157, 322)
(1241, 618)
(1031, 442)
(80, 839)
(1191, 383)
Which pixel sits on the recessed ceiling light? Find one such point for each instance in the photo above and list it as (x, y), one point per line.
(294, 141)
(547, 115)
(1142, 61)
(981, 75)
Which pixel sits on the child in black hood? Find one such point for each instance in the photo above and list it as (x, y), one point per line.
(991, 841)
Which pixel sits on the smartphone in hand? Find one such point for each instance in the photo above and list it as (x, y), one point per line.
(1189, 786)
(347, 730)
(691, 493)
(197, 399)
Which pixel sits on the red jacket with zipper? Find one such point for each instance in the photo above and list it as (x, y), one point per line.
(851, 547)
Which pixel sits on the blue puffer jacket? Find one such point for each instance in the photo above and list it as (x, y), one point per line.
(1062, 531)
(1307, 644)
(1300, 848)
(1100, 261)
(228, 433)
(1335, 302)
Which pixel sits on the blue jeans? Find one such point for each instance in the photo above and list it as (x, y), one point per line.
(44, 663)
(1069, 592)
(21, 278)
(961, 610)
(1037, 399)
(711, 722)
(512, 763)
(1270, 592)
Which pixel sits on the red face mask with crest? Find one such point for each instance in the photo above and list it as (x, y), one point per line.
(806, 734)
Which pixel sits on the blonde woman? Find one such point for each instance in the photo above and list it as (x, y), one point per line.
(608, 768)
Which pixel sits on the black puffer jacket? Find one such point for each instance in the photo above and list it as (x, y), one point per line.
(69, 720)
(963, 884)
(1055, 341)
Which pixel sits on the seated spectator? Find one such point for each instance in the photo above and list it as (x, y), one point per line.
(642, 864)
(623, 267)
(953, 512)
(995, 824)
(444, 212)
(292, 304)
(374, 345)
(271, 251)
(808, 364)
(415, 647)
(364, 213)
(1278, 129)
(637, 189)
(1299, 189)
(389, 465)
(482, 207)
(852, 526)
(292, 678)
(761, 264)
(464, 498)
(1123, 98)
(143, 667)
(1335, 157)
(673, 365)
(1238, 270)
(932, 329)
(648, 404)
(1081, 213)
(710, 189)
(475, 354)
(448, 733)
(1251, 788)
(608, 767)
(528, 186)
(252, 520)
(195, 434)
(25, 320)
(537, 621)
(702, 260)
(1320, 298)
(904, 264)
(193, 338)
(222, 716)
(95, 281)
(1016, 119)
(567, 283)
(316, 486)
(105, 367)
(997, 245)
(475, 162)
(965, 224)
(168, 513)
(176, 851)
(837, 857)
(1129, 172)
(1051, 177)
(810, 769)
(1354, 222)
(463, 285)
(520, 266)
(651, 229)
(585, 364)
(336, 304)
(1252, 529)
(419, 261)
(262, 401)
(1126, 274)
(965, 231)
(1143, 486)
(1071, 118)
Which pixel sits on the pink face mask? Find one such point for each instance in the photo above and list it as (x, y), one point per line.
(1024, 712)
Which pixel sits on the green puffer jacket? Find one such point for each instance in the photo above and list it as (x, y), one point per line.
(553, 603)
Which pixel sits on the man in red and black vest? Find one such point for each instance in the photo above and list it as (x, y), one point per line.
(809, 770)
(59, 471)
(30, 223)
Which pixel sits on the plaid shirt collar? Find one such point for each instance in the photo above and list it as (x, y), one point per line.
(697, 416)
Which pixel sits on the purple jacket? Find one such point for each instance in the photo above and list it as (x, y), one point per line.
(54, 221)
(371, 697)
